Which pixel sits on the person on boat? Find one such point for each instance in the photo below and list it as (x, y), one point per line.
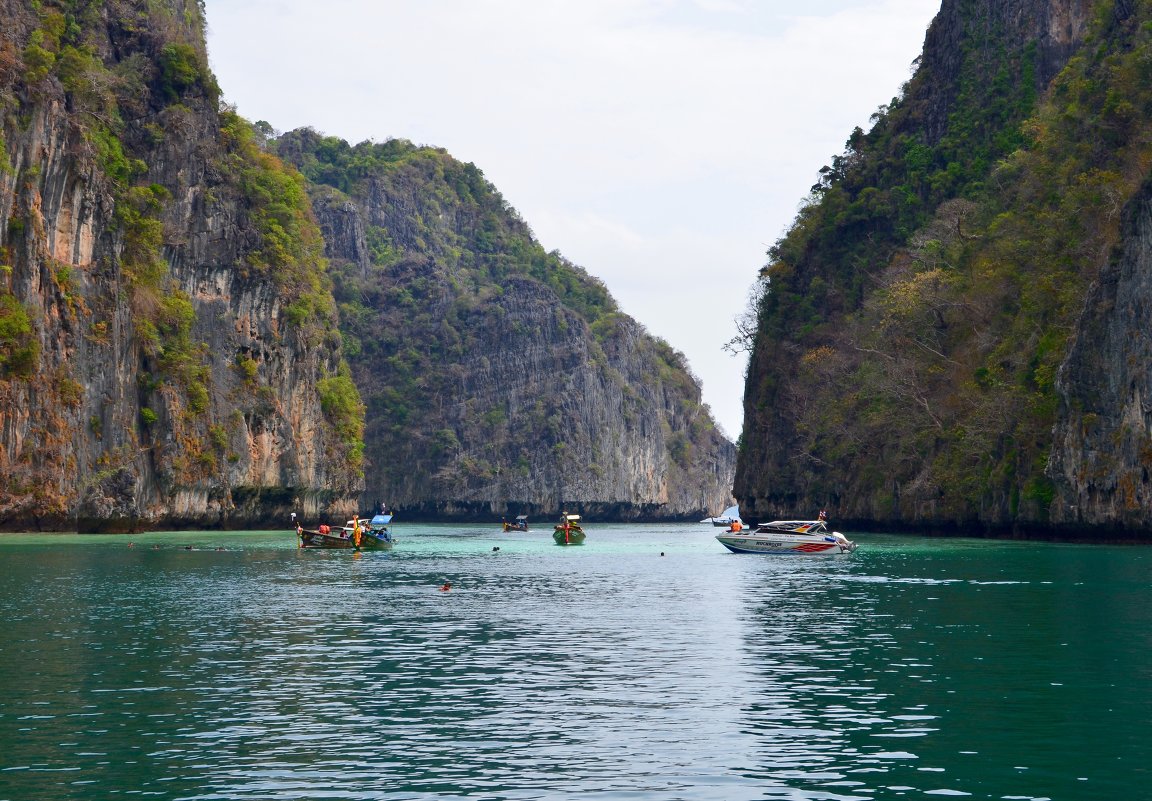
(822, 516)
(736, 526)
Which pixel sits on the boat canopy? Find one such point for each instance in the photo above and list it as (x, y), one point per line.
(381, 520)
(798, 526)
(571, 517)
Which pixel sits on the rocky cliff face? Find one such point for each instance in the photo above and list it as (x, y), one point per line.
(952, 336)
(1102, 449)
(156, 365)
(967, 38)
(499, 379)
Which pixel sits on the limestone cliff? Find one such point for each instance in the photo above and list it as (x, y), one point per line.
(499, 379)
(168, 347)
(952, 336)
(1102, 449)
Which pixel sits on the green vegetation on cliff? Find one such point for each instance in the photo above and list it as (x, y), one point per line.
(169, 67)
(165, 315)
(488, 244)
(19, 350)
(492, 370)
(913, 320)
(496, 242)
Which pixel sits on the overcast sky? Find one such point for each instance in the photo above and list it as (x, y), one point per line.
(663, 145)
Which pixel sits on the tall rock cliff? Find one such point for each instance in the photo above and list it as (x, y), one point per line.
(952, 335)
(499, 379)
(168, 346)
(1102, 449)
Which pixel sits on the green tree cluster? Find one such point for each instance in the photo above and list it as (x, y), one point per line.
(19, 348)
(291, 250)
(340, 400)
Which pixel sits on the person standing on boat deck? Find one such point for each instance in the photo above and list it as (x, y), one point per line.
(823, 515)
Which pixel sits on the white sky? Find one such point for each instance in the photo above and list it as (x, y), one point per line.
(663, 145)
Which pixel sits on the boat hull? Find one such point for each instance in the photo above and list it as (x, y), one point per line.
(368, 542)
(783, 544)
(570, 537)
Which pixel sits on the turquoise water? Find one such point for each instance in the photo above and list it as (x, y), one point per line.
(134, 667)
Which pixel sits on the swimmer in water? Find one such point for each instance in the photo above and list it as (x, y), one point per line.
(446, 586)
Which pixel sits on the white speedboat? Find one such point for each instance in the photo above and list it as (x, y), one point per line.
(801, 537)
(731, 514)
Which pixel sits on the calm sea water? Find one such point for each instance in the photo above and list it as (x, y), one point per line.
(647, 664)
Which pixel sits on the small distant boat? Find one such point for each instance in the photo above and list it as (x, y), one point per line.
(732, 513)
(374, 535)
(568, 531)
(799, 537)
(519, 524)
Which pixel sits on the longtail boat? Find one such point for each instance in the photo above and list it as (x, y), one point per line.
(568, 531)
(519, 524)
(372, 536)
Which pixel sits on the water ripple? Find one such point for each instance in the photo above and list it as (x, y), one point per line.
(607, 671)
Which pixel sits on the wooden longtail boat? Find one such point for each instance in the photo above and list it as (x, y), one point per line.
(372, 536)
(568, 531)
(519, 524)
